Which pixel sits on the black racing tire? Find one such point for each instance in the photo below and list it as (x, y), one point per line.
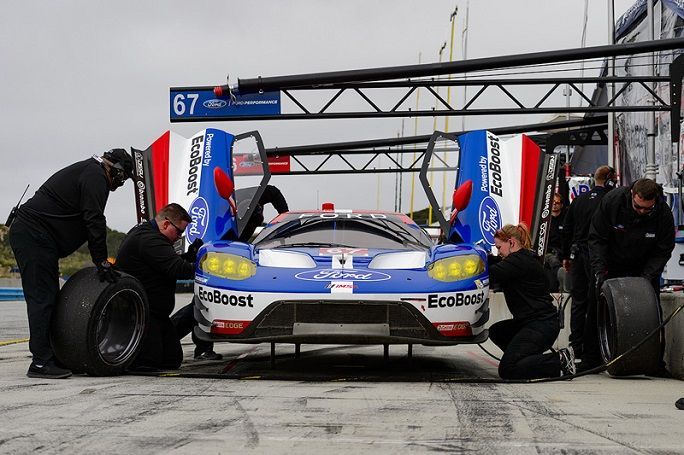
(97, 327)
(627, 312)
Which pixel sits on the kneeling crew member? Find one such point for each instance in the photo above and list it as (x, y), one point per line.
(67, 210)
(534, 327)
(147, 253)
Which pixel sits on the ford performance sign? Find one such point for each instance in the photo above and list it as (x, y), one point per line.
(190, 104)
(342, 274)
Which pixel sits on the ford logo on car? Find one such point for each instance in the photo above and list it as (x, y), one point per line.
(199, 212)
(342, 274)
(215, 104)
(489, 218)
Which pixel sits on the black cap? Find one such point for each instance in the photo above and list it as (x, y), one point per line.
(122, 157)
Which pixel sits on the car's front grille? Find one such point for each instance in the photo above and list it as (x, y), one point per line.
(280, 318)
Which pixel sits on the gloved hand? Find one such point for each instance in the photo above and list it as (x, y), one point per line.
(191, 254)
(107, 272)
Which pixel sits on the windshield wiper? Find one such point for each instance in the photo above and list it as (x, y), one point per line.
(314, 245)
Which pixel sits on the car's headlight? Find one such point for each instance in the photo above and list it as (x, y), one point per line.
(456, 268)
(226, 265)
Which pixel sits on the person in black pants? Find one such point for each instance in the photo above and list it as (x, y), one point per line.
(632, 233)
(147, 253)
(576, 251)
(67, 210)
(534, 327)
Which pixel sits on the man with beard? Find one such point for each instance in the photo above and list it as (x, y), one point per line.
(632, 234)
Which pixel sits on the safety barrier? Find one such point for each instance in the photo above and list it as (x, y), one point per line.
(7, 294)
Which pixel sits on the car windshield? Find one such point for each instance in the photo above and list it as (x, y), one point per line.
(382, 232)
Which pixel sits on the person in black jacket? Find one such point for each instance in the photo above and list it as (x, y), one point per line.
(552, 258)
(534, 327)
(67, 210)
(576, 251)
(632, 234)
(147, 253)
(271, 195)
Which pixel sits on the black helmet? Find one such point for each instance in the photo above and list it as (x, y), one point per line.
(122, 166)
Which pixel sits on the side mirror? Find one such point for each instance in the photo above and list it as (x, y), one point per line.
(224, 186)
(461, 198)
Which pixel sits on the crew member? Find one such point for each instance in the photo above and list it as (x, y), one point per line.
(67, 210)
(534, 327)
(632, 234)
(147, 253)
(271, 195)
(576, 250)
(552, 258)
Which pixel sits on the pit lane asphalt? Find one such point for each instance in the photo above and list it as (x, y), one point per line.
(358, 403)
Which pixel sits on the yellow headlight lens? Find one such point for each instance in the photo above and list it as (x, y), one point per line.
(456, 268)
(227, 266)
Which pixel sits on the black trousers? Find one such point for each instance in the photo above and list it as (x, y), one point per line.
(523, 344)
(581, 280)
(37, 257)
(161, 347)
(184, 322)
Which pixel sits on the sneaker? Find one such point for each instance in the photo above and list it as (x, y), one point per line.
(567, 361)
(47, 371)
(208, 355)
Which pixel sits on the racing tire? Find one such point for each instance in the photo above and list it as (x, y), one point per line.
(627, 312)
(97, 327)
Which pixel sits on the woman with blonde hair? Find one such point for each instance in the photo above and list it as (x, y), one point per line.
(534, 327)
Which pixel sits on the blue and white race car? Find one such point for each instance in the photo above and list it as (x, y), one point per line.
(344, 276)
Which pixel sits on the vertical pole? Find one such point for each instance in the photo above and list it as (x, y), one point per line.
(401, 164)
(611, 86)
(415, 133)
(464, 39)
(446, 119)
(434, 128)
(651, 166)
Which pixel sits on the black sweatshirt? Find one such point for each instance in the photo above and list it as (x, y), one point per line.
(625, 244)
(69, 206)
(578, 219)
(149, 256)
(522, 278)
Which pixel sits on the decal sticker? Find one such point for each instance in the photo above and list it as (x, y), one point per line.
(342, 274)
(489, 219)
(339, 250)
(457, 299)
(341, 287)
(199, 212)
(220, 297)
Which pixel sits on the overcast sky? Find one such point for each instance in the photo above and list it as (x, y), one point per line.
(80, 77)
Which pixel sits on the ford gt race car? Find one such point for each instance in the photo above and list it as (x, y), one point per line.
(342, 275)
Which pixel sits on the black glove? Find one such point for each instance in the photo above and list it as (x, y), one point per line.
(106, 272)
(191, 254)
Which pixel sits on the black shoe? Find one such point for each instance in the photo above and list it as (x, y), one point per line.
(47, 371)
(208, 355)
(567, 361)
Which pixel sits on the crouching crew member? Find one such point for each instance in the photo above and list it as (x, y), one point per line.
(67, 210)
(534, 327)
(147, 253)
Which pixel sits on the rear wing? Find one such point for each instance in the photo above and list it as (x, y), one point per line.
(199, 174)
(498, 182)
